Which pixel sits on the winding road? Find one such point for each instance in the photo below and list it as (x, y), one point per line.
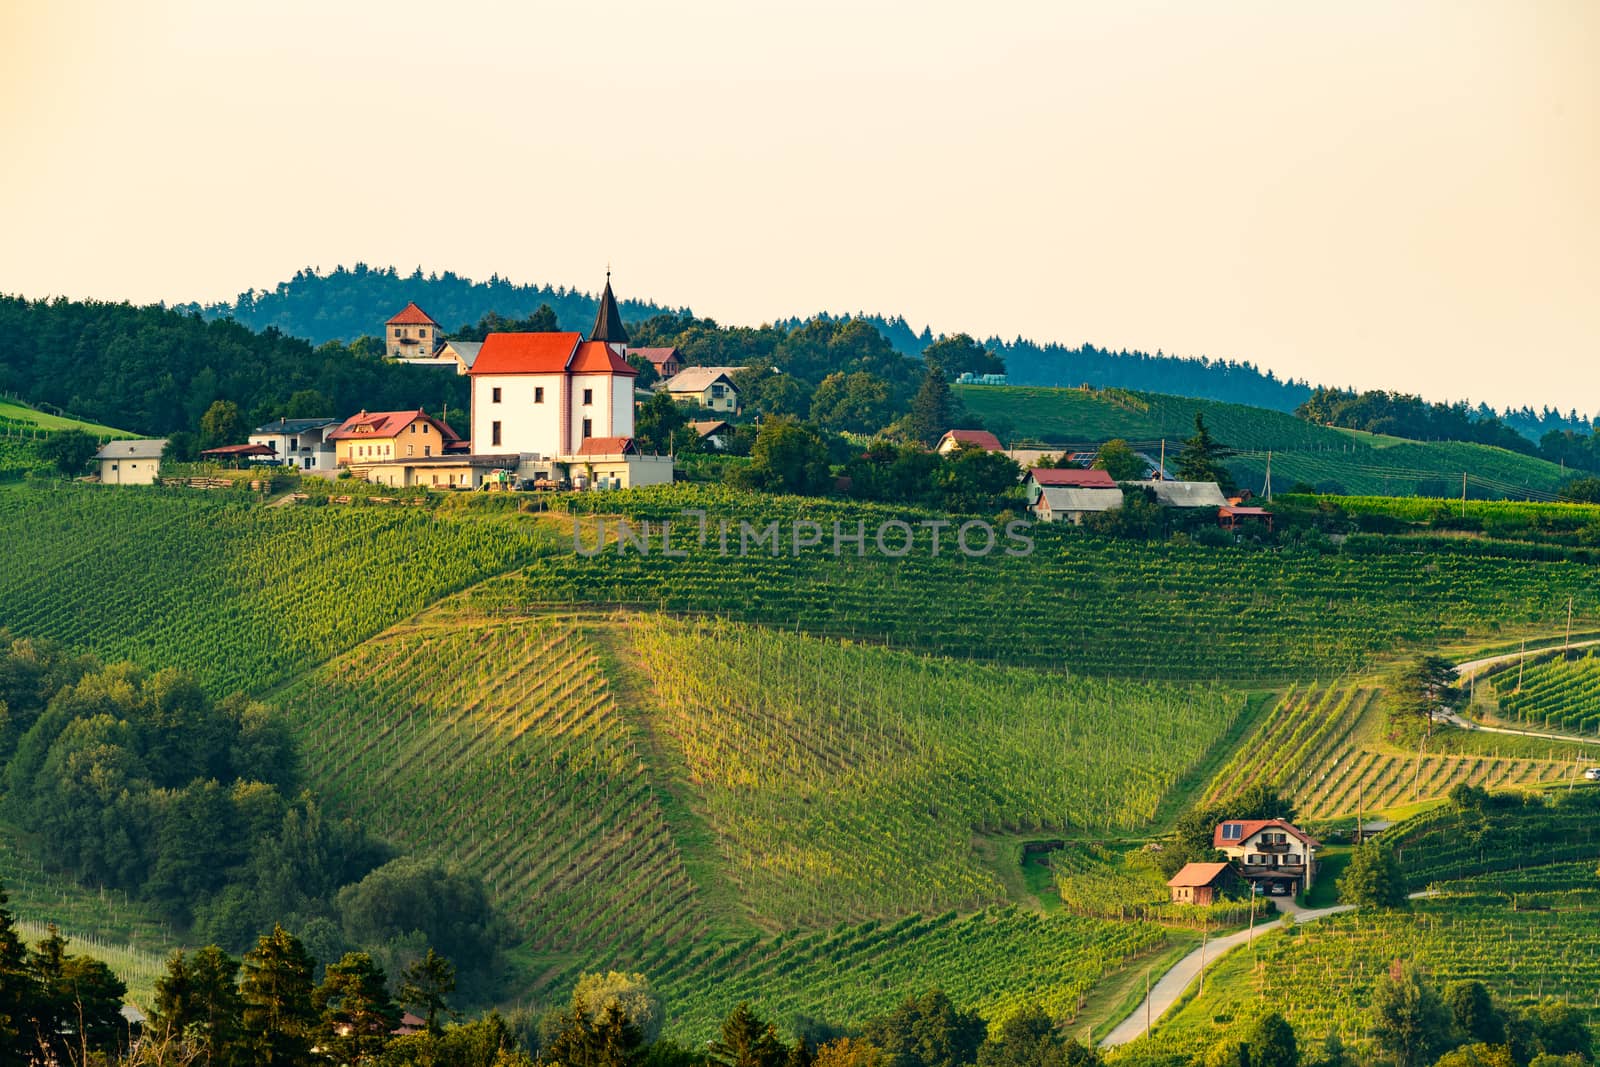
(1472, 667)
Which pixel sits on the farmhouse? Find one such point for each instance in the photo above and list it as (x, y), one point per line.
(411, 335)
(1270, 853)
(1202, 883)
(299, 443)
(954, 439)
(1067, 503)
(135, 462)
(711, 388)
(1070, 477)
(666, 361)
(370, 436)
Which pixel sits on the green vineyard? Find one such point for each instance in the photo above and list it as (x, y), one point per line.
(1558, 693)
(845, 781)
(500, 749)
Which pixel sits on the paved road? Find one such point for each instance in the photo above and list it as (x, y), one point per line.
(1171, 985)
(1472, 667)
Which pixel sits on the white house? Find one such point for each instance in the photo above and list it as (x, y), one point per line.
(1070, 503)
(1270, 853)
(135, 462)
(542, 395)
(301, 443)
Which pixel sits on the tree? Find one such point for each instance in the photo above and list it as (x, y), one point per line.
(933, 409)
(648, 375)
(1373, 878)
(960, 354)
(1474, 1012)
(1118, 459)
(850, 1052)
(221, 424)
(583, 1041)
(929, 1031)
(747, 1040)
(77, 1005)
(1561, 1030)
(659, 420)
(357, 1014)
(425, 985)
(279, 1017)
(17, 988)
(630, 992)
(1028, 1038)
(1271, 1042)
(973, 480)
(787, 458)
(70, 451)
(198, 997)
(1477, 1055)
(1424, 688)
(853, 403)
(1581, 491)
(1409, 1022)
(1201, 458)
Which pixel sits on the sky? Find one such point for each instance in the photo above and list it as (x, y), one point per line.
(1398, 195)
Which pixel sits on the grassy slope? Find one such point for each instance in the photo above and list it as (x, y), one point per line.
(1302, 452)
(16, 415)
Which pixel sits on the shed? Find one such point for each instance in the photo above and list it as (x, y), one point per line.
(1201, 883)
(1187, 494)
(1065, 503)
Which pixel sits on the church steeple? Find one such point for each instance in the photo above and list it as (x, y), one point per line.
(608, 321)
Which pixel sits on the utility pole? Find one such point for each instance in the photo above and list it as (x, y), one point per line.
(1205, 935)
(1163, 473)
(1268, 489)
(1463, 494)
(1521, 661)
(1147, 1000)
(1568, 646)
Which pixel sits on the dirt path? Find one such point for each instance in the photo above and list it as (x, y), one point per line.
(1171, 985)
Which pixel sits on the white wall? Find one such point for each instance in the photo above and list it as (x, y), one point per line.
(598, 412)
(621, 406)
(525, 426)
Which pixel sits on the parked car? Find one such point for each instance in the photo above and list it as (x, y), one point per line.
(1593, 774)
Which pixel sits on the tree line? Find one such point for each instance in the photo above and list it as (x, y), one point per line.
(138, 781)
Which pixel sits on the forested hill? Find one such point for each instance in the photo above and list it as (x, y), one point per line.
(347, 303)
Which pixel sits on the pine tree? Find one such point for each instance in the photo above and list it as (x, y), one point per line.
(17, 989)
(932, 409)
(1201, 458)
(279, 1018)
(425, 985)
(357, 1012)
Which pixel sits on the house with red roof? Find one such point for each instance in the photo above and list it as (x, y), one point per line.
(666, 361)
(546, 396)
(1270, 853)
(412, 334)
(954, 439)
(369, 437)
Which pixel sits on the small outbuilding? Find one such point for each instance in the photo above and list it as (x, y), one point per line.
(1235, 515)
(1202, 883)
(134, 462)
(1066, 503)
(954, 439)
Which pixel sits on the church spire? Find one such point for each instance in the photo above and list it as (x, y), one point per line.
(608, 322)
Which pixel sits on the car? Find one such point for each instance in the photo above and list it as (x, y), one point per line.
(1279, 889)
(1592, 774)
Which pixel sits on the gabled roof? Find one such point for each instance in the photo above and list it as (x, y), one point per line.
(1250, 827)
(707, 427)
(608, 320)
(467, 351)
(412, 316)
(981, 438)
(381, 424)
(657, 356)
(295, 425)
(136, 448)
(1235, 509)
(525, 353)
(229, 451)
(1188, 494)
(1197, 875)
(697, 379)
(1069, 498)
(1073, 476)
(608, 446)
(596, 357)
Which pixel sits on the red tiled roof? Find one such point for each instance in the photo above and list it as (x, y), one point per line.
(1195, 875)
(1250, 827)
(607, 446)
(525, 353)
(982, 438)
(656, 356)
(383, 424)
(1235, 509)
(596, 357)
(1076, 477)
(412, 316)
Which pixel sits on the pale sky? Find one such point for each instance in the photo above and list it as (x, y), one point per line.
(1388, 194)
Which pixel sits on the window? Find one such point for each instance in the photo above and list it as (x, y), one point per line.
(410, 449)
(397, 331)
(427, 450)
(494, 395)
(588, 398)
(716, 390)
(1232, 831)
(494, 433)
(588, 428)
(538, 394)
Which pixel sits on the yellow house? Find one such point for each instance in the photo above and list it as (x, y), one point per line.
(373, 436)
(707, 387)
(412, 334)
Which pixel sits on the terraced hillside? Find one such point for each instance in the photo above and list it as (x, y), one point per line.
(500, 748)
(243, 596)
(1330, 459)
(1559, 692)
(1323, 748)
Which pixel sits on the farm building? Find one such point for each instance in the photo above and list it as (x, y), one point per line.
(1202, 883)
(1067, 477)
(709, 387)
(954, 439)
(1235, 515)
(1271, 853)
(441, 472)
(615, 463)
(1068, 503)
(135, 462)
(301, 443)
(370, 436)
(1187, 494)
(713, 433)
(666, 361)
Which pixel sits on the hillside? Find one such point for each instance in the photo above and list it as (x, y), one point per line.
(17, 418)
(1331, 460)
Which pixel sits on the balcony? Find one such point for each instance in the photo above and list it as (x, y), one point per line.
(1273, 849)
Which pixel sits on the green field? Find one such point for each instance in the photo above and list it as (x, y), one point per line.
(1560, 692)
(16, 417)
(1332, 460)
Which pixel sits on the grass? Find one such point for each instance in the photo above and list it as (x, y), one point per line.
(1331, 862)
(19, 416)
